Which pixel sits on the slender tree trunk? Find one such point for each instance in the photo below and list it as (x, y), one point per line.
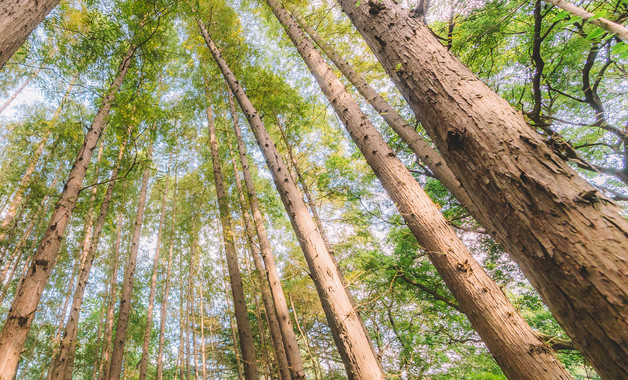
(353, 344)
(164, 302)
(181, 348)
(315, 366)
(202, 316)
(117, 355)
(20, 89)
(103, 370)
(153, 286)
(187, 326)
(232, 325)
(568, 239)
(244, 327)
(267, 298)
(18, 19)
(515, 346)
(101, 314)
(22, 312)
(603, 23)
(194, 348)
(64, 363)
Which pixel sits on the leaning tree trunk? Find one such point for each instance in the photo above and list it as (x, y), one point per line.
(285, 324)
(22, 312)
(18, 18)
(64, 363)
(117, 355)
(164, 302)
(267, 298)
(515, 346)
(353, 344)
(20, 89)
(153, 287)
(244, 327)
(568, 239)
(608, 25)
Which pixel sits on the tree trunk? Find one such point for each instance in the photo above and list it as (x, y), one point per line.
(25, 303)
(518, 351)
(117, 355)
(285, 324)
(103, 370)
(153, 286)
(603, 23)
(568, 239)
(232, 326)
(202, 315)
(18, 18)
(20, 89)
(164, 302)
(63, 367)
(267, 298)
(315, 367)
(244, 327)
(352, 342)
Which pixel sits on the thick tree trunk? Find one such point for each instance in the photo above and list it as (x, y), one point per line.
(285, 324)
(103, 370)
(352, 342)
(164, 302)
(421, 148)
(512, 342)
(267, 298)
(153, 286)
(568, 239)
(117, 355)
(25, 303)
(64, 363)
(244, 327)
(18, 18)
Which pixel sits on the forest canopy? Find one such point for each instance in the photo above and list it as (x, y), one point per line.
(283, 189)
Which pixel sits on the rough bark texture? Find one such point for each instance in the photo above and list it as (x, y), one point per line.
(603, 23)
(283, 314)
(153, 287)
(117, 355)
(18, 18)
(512, 342)
(26, 300)
(103, 369)
(237, 291)
(568, 239)
(353, 344)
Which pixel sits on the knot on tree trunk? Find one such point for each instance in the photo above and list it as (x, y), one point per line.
(375, 7)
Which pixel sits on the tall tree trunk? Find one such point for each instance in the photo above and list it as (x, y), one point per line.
(99, 331)
(181, 348)
(515, 346)
(103, 370)
(22, 312)
(421, 148)
(267, 298)
(568, 239)
(164, 302)
(64, 363)
(20, 89)
(315, 366)
(18, 18)
(232, 325)
(244, 327)
(354, 345)
(117, 355)
(153, 286)
(285, 324)
(202, 316)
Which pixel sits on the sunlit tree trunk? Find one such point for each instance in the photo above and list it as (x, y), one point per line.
(20, 89)
(515, 346)
(234, 333)
(568, 239)
(352, 341)
(244, 327)
(117, 354)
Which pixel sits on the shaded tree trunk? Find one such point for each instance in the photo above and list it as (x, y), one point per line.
(117, 354)
(22, 312)
(285, 324)
(244, 327)
(567, 238)
(518, 351)
(354, 345)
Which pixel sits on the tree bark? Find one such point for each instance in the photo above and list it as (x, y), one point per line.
(244, 327)
(354, 345)
(64, 363)
(511, 341)
(153, 286)
(285, 324)
(18, 19)
(164, 302)
(117, 355)
(267, 298)
(22, 312)
(568, 239)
